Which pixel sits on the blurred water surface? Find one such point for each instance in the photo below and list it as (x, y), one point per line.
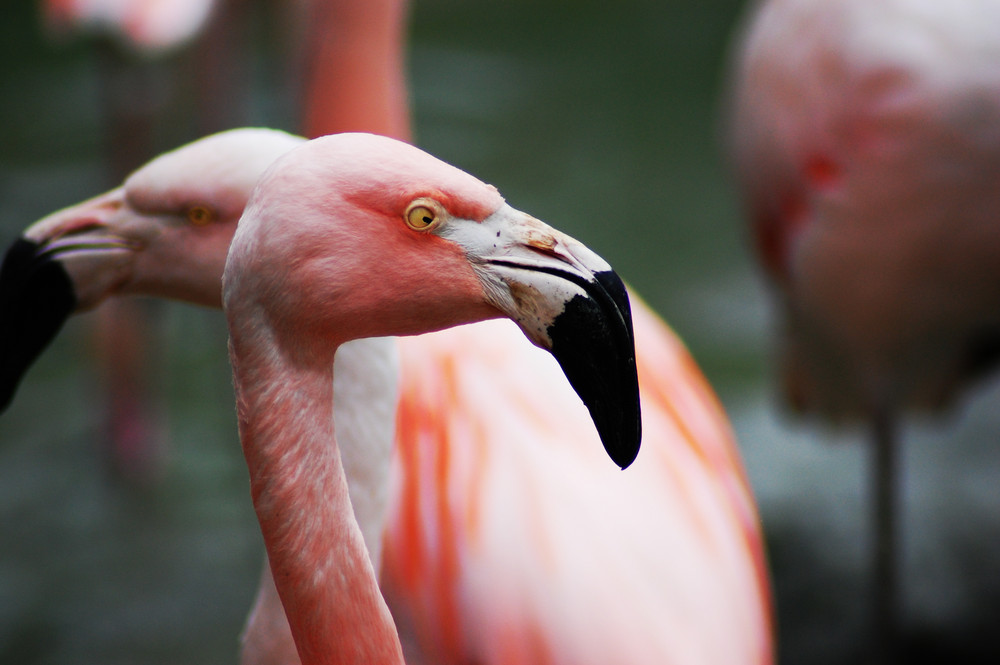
(598, 117)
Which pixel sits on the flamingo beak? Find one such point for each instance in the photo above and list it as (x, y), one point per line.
(569, 301)
(60, 265)
(36, 298)
(593, 341)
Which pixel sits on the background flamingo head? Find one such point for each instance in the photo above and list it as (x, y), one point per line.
(164, 232)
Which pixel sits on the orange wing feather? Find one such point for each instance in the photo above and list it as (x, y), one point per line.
(512, 539)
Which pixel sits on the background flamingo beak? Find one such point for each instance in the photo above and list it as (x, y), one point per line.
(36, 298)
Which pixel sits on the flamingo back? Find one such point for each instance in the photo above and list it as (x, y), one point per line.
(512, 539)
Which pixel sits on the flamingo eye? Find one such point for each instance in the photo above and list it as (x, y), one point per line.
(422, 214)
(200, 215)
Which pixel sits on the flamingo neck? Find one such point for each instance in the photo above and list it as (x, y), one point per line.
(318, 557)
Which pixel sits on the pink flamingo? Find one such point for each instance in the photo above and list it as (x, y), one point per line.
(386, 240)
(866, 145)
(457, 542)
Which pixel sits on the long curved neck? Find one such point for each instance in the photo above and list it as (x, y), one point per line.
(318, 558)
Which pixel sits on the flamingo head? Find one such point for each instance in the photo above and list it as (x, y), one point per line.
(356, 235)
(164, 232)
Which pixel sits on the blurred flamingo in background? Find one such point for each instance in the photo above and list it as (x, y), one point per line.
(866, 141)
(347, 56)
(147, 26)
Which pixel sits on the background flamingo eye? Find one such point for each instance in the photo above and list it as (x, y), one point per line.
(200, 215)
(420, 216)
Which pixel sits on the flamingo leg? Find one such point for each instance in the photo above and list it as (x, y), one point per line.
(885, 571)
(126, 332)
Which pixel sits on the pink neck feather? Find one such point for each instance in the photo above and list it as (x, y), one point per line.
(318, 558)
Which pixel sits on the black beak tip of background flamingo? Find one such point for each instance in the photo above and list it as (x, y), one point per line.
(36, 298)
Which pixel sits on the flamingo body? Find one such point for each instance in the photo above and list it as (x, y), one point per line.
(502, 538)
(866, 138)
(867, 143)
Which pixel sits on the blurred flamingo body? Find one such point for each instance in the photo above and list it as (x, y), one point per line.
(483, 558)
(367, 208)
(141, 25)
(866, 141)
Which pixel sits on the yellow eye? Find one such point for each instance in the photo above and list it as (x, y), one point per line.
(421, 214)
(200, 215)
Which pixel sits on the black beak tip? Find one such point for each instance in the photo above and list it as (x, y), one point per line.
(36, 298)
(622, 445)
(619, 422)
(594, 343)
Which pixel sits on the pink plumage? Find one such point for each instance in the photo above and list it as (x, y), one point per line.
(144, 25)
(511, 540)
(510, 536)
(866, 141)
(866, 145)
(294, 290)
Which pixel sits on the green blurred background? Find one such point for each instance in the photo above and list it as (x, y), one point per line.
(601, 118)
